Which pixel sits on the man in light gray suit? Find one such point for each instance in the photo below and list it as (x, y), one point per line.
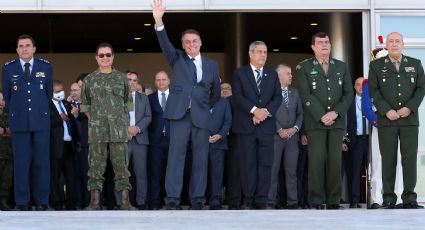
(194, 90)
(138, 141)
(289, 118)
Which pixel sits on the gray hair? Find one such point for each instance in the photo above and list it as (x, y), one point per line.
(395, 33)
(281, 66)
(255, 44)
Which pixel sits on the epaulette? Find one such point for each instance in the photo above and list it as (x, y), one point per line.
(43, 60)
(7, 63)
(299, 64)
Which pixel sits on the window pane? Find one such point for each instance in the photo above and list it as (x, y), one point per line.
(406, 25)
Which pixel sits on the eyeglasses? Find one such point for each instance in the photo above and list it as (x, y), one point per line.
(103, 55)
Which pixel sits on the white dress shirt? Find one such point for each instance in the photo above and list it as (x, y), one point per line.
(66, 136)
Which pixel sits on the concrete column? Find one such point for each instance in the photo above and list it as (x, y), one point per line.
(236, 47)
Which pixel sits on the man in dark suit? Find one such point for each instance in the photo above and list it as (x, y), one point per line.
(140, 118)
(257, 96)
(396, 87)
(220, 122)
(64, 140)
(195, 89)
(289, 118)
(27, 89)
(358, 146)
(159, 138)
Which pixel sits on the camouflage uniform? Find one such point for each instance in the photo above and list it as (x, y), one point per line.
(108, 99)
(6, 160)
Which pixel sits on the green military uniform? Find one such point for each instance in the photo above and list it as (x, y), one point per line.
(107, 97)
(392, 89)
(321, 93)
(6, 160)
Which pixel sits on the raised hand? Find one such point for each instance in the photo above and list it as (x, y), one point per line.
(158, 11)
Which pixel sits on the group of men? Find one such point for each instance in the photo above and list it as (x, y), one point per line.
(266, 117)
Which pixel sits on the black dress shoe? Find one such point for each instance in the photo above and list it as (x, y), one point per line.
(355, 205)
(292, 206)
(215, 207)
(375, 206)
(198, 206)
(320, 206)
(412, 205)
(43, 208)
(388, 205)
(171, 206)
(141, 207)
(334, 207)
(22, 208)
(248, 207)
(399, 206)
(234, 207)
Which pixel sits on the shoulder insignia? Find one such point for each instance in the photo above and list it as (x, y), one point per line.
(44, 60)
(298, 67)
(332, 61)
(7, 63)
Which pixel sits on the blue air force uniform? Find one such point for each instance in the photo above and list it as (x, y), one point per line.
(27, 102)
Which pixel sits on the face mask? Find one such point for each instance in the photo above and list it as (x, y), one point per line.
(59, 96)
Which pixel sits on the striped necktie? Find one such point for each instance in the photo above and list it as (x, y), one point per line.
(285, 97)
(258, 79)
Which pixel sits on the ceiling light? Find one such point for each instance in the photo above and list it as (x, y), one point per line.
(293, 38)
(129, 50)
(137, 38)
(314, 24)
(275, 50)
(147, 24)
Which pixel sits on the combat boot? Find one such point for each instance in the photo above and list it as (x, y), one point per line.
(125, 201)
(94, 201)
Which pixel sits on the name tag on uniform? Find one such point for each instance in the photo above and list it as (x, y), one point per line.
(40, 74)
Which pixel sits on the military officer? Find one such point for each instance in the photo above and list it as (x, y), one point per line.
(326, 93)
(106, 100)
(27, 88)
(396, 87)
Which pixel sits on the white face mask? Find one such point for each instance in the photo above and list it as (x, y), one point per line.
(59, 96)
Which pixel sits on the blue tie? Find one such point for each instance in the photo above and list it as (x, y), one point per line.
(194, 70)
(68, 124)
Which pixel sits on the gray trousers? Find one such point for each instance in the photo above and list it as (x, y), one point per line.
(137, 155)
(288, 149)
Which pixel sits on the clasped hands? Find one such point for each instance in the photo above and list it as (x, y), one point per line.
(132, 131)
(329, 118)
(287, 133)
(401, 113)
(260, 115)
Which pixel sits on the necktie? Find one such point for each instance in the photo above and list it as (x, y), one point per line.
(163, 101)
(27, 71)
(163, 104)
(325, 67)
(258, 79)
(285, 97)
(397, 65)
(68, 124)
(195, 79)
(364, 125)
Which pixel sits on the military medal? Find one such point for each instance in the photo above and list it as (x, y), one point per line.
(313, 84)
(15, 87)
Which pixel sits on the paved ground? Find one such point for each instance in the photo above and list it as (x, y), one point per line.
(358, 219)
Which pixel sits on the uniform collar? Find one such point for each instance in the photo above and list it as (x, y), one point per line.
(23, 62)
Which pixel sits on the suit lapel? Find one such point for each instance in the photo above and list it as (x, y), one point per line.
(191, 74)
(316, 66)
(389, 65)
(205, 67)
(251, 79)
(404, 62)
(332, 67)
(136, 102)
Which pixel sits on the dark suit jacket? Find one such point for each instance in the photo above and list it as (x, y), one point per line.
(143, 117)
(57, 129)
(184, 90)
(352, 125)
(288, 117)
(221, 122)
(245, 95)
(28, 102)
(158, 121)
